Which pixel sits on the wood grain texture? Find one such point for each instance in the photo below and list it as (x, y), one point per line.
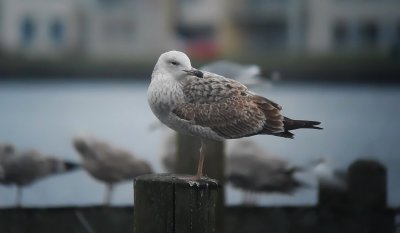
(174, 204)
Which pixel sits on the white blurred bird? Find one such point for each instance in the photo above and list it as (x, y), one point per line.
(169, 151)
(248, 75)
(109, 164)
(328, 176)
(24, 168)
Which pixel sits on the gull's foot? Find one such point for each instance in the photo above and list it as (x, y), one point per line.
(193, 178)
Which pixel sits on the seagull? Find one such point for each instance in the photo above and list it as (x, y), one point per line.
(210, 106)
(253, 170)
(6, 150)
(249, 75)
(109, 164)
(27, 167)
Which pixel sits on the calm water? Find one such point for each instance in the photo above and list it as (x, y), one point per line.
(358, 121)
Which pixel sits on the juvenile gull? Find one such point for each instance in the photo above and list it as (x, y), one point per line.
(249, 75)
(27, 167)
(6, 150)
(253, 170)
(109, 164)
(210, 106)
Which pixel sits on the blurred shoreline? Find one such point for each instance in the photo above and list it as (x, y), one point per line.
(342, 68)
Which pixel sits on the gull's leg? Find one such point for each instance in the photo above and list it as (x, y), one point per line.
(244, 197)
(253, 198)
(19, 196)
(107, 196)
(201, 161)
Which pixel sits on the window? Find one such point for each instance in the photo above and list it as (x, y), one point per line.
(398, 32)
(369, 34)
(340, 34)
(191, 33)
(57, 31)
(27, 31)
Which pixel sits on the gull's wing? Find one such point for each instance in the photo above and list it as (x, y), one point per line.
(211, 88)
(119, 163)
(228, 107)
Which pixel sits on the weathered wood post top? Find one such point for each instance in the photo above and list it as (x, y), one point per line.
(166, 203)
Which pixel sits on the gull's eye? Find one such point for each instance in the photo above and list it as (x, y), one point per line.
(174, 63)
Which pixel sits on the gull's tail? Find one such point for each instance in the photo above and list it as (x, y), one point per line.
(70, 166)
(290, 124)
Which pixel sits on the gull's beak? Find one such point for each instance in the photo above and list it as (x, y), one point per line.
(195, 72)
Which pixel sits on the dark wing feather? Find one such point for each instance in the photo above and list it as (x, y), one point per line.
(228, 108)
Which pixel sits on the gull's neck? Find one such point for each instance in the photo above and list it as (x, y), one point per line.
(163, 83)
(164, 93)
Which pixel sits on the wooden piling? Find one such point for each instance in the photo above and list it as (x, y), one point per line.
(174, 204)
(214, 165)
(188, 157)
(367, 184)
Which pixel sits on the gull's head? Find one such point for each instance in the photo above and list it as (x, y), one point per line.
(174, 63)
(84, 147)
(6, 149)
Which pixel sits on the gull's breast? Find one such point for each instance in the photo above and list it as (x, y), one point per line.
(163, 98)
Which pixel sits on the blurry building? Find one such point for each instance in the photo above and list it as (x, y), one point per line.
(39, 27)
(98, 29)
(128, 28)
(270, 25)
(317, 26)
(353, 25)
(200, 26)
(142, 29)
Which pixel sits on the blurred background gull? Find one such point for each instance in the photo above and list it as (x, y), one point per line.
(26, 167)
(253, 170)
(108, 164)
(70, 66)
(249, 75)
(6, 150)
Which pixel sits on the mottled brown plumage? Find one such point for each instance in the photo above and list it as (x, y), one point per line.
(231, 110)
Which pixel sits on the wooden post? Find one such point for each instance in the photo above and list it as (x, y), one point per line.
(188, 156)
(214, 166)
(174, 204)
(332, 197)
(367, 184)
